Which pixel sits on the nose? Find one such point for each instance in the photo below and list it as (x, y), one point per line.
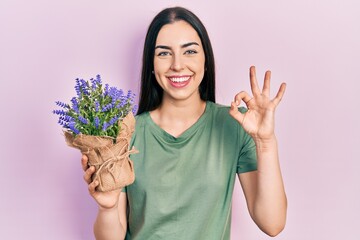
(177, 63)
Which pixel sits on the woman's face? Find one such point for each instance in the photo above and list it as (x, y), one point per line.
(179, 61)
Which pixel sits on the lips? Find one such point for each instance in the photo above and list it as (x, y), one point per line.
(179, 81)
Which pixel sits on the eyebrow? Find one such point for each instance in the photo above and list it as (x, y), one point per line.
(182, 46)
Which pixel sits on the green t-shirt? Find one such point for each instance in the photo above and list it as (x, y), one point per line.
(183, 187)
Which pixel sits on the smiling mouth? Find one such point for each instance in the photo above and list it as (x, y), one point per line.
(179, 79)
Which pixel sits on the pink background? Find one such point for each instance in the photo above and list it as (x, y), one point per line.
(312, 45)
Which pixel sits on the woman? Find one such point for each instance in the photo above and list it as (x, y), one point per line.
(191, 149)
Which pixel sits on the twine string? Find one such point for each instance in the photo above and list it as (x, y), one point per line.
(110, 163)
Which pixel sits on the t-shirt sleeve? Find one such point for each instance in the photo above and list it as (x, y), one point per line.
(247, 160)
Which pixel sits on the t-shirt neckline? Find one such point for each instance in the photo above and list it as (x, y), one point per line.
(187, 133)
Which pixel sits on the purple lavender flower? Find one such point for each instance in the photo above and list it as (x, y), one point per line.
(72, 127)
(105, 126)
(93, 83)
(134, 109)
(130, 97)
(113, 120)
(62, 123)
(97, 122)
(63, 105)
(97, 106)
(98, 79)
(129, 94)
(110, 123)
(92, 105)
(77, 87)
(121, 104)
(107, 107)
(106, 90)
(84, 88)
(75, 105)
(66, 118)
(60, 112)
(83, 120)
(115, 95)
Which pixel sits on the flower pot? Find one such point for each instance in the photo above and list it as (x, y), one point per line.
(114, 169)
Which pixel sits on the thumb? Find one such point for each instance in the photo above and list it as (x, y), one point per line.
(234, 112)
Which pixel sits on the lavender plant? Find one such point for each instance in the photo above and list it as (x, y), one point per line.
(96, 109)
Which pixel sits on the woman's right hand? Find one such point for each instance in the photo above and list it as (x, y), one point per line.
(105, 200)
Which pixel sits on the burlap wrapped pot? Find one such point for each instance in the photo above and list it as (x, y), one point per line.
(114, 169)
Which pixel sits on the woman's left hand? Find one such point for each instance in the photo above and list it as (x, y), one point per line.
(258, 121)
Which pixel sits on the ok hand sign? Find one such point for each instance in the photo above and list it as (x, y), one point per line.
(258, 121)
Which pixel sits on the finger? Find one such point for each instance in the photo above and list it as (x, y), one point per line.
(88, 173)
(266, 87)
(253, 81)
(234, 112)
(84, 162)
(92, 187)
(280, 94)
(242, 96)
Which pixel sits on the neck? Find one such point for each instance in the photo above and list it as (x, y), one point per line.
(177, 116)
(187, 109)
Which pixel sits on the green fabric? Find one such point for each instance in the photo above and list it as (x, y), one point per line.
(183, 187)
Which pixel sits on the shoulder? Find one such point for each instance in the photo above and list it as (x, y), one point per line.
(140, 122)
(222, 111)
(222, 120)
(141, 118)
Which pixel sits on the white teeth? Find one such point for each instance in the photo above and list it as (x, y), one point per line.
(179, 79)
